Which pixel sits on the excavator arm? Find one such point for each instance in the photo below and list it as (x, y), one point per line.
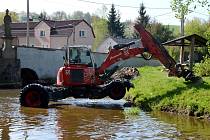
(123, 51)
(160, 53)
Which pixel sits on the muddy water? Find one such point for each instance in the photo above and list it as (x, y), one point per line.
(91, 119)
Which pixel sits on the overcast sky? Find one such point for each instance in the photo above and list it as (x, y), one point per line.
(158, 9)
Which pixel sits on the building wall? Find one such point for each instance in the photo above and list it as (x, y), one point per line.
(104, 47)
(88, 38)
(58, 42)
(22, 41)
(42, 41)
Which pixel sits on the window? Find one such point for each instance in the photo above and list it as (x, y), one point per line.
(82, 33)
(42, 33)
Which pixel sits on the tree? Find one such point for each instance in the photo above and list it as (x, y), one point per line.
(196, 26)
(115, 27)
(80, 15)
(142, 19)
(100, 28)
(88, 17)
(102, 12)
(160, 32)
(128, 29)
(183, 7)
(77, 15)
(59, 15)
(112, 18)
(120, 27)
(43, 16)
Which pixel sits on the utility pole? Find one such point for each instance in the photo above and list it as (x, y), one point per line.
(181, 55)
(27, 32)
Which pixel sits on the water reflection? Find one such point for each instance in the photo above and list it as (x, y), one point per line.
(189, 127)
(90, 119)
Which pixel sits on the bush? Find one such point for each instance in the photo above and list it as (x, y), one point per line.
(203, 68)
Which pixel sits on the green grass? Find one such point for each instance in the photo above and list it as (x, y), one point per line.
(154, 90)
(134, 111)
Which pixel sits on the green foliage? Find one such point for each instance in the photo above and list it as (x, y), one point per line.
(134, 111)
(100, 29)
(80, 15)
(183, 7)
(207, 35)
(115, 27)
(175, 29)
(161, 32)
(174, 52)
(196, 26)
(155, 91)
(203, 68)
(143, 18)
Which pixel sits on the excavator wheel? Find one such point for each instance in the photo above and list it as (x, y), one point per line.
(117, 91)
(34, 95)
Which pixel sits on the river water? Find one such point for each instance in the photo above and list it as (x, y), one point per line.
(91, 119)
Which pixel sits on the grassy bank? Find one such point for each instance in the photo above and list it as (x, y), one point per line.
(155, 91)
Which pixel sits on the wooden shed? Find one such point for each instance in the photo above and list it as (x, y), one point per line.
(191, 41)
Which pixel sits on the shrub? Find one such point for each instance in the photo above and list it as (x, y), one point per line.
(203, 68)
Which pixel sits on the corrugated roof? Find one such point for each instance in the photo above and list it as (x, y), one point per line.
(199, 41)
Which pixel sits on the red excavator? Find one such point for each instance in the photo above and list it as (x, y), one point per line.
(81, 78)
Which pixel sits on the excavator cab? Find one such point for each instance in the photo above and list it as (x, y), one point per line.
(78, 69)
(79, 55)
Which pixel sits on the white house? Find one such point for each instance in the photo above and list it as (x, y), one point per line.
(111, 41)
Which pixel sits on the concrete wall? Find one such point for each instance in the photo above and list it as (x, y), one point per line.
(45, 62)
(9, 70)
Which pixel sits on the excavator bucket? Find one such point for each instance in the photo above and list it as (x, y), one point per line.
(159, 52)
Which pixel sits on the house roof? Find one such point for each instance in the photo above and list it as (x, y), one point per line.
(127, 40)
(64, 23)
(57, 27)
(199, 41)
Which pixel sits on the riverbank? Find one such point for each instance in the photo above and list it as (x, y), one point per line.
(154, 90)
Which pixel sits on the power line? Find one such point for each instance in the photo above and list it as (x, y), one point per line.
(163, 14)
(126, 6)
(201, 13)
